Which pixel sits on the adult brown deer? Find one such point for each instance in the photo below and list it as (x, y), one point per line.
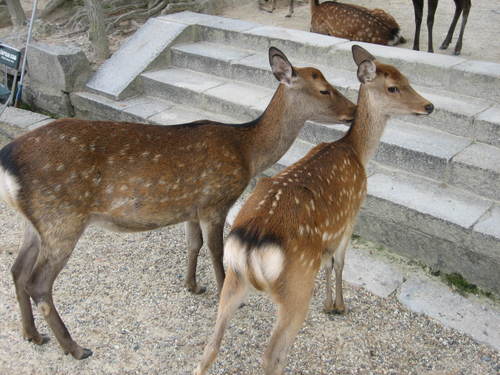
(273, 6)
(460, 6)
(355, 23)
(304, 216)
(135, 177)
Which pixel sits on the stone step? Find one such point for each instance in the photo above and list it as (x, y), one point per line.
(453, 73)
(418, 149)
(454, 113)
(239, 99)
(141, 108)
(446, 228)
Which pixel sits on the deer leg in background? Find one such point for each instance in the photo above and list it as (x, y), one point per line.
(451, 30)
(458, 47)
(21, 271)
(418, 8)
(328, 305)
(290, 11)
(213, 232)
(194, 241)
(338, 266)
(336, 263)
(431, 11)
(273, 5)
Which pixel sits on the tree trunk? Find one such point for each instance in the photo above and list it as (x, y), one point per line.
(97, 29)
(16, 12)
(51, 6)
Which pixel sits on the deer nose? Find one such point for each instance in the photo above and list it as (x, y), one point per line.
(429, 108)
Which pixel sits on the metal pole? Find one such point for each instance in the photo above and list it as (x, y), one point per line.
(25, 57)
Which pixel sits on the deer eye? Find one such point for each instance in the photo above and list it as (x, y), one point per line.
(325, 92)
(393, 89)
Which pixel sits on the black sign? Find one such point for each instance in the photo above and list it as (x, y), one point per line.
(10, 56)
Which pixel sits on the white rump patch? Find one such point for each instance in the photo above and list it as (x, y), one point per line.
(267, 263)
(235, 254)
(8, 188)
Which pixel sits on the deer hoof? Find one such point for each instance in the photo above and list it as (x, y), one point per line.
(39, 339)
(81, 353)
(197, 289)
(334, 310)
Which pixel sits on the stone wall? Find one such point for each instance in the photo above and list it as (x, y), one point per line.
(53, 72)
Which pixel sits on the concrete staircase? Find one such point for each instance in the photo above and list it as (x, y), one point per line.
(434, 186)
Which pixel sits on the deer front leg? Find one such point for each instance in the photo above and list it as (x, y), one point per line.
(418, 7)
(213, 233)
(451, 30)
(338, 265)
(328, 306)
(431, 11)
(194, 241)
(458, 47)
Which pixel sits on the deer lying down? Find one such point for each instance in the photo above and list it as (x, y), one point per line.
(354, 22)
(304, 216)
(136, 177)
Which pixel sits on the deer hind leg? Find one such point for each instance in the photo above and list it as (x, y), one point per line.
(293, 304)
(213, 233)
(451, 30)
(233, 294)
(290, 10)
(21, 271)
(273, 5)
(458, 47)
(418, 7)
(51, 259)
(194, 241)
(431, 11)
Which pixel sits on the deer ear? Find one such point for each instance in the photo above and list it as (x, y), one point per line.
(367, 71)
(360, 54)
(281, 67)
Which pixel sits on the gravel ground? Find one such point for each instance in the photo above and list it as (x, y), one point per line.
(122, 296)
(481, 38)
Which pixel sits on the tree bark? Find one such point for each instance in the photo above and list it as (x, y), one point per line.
(97, 29)
(16, 12)
(51, 6)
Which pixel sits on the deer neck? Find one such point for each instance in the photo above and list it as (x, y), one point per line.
(275, 130)
(368, 127)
